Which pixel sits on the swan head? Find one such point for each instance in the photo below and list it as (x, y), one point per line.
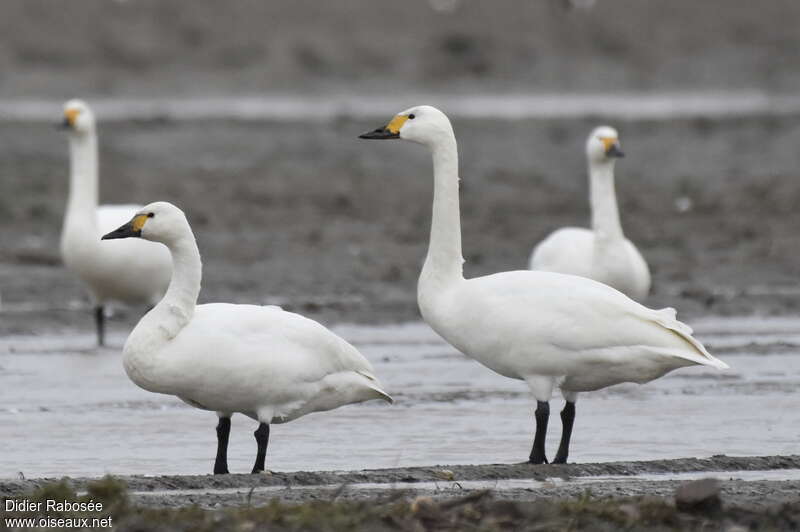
(78, 117)
(603, 145)
(160, 222)
(422, 124)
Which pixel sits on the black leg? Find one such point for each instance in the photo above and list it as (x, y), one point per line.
(100, 321)
(567, 419)
(262, 438)
(542, 415)
(223, 432)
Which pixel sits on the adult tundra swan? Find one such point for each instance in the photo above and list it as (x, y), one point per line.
(268, 364)
(602, 253)
(99, 266)
(548, 329)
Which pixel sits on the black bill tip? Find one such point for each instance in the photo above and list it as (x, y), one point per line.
(615, 152)
(126, 231)
(64, 124)
(379, 134)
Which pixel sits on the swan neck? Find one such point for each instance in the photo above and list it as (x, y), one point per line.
(82, 200)
(444, 260)
(603, 198)
(144, 358)
(187, 272)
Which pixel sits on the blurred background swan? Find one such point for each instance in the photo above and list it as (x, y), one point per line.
(602, 253)
(102, 267)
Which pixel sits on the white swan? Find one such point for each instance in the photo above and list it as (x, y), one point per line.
(268, 364)
(602, 253)
(101, 267)
(548, 329)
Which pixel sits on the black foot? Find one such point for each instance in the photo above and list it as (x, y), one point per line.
(537, 459)
(542, 414)
(262, 438)
(100, 322)
(223, 432)
(567, 420)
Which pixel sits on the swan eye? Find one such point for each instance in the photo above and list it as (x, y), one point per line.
(411, 117)
(151, 214)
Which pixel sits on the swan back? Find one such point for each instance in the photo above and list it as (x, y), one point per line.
(564, 326)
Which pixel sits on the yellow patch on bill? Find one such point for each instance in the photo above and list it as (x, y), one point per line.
(396, 123)
(138, 222)
(608, 142)
(72, 115)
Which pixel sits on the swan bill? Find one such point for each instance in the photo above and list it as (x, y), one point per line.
(130, 229)
(126, 231)
(612, 147)
(70, 116)
(382, 133)
(389, 131)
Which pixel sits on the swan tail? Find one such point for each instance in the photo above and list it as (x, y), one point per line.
(374, 385)
(667, 318)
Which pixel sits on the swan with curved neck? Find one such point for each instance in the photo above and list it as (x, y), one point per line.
(99, 266)
(548, 329)
(602, 253)
(268, 364)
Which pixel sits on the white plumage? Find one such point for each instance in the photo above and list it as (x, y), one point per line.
(602, 253)
(104, 268)
(548, 329)
(268, 364)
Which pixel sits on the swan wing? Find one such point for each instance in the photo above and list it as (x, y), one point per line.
(248, 358)
(572, 316)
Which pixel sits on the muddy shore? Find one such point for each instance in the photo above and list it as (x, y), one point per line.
(552, 481)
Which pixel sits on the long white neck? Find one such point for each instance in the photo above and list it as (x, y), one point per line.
(603, 198)
(143, 359)
(187, 273)
(81, 213)
(444, 262)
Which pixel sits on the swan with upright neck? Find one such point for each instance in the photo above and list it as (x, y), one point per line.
(268, 364)
(548, 329)
(99, 266)
(602, 253)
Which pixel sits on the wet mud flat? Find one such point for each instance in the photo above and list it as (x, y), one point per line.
(305, 215)
(663, 494)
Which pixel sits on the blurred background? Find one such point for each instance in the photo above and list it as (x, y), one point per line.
(246, 115)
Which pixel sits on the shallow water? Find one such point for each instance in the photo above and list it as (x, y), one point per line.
(69, 409)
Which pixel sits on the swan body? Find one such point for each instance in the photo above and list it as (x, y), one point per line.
(548, 329)
(101, 266)
(602, 253)
(268, 364)
(577, 251)
(271, 365)
(582, 334)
